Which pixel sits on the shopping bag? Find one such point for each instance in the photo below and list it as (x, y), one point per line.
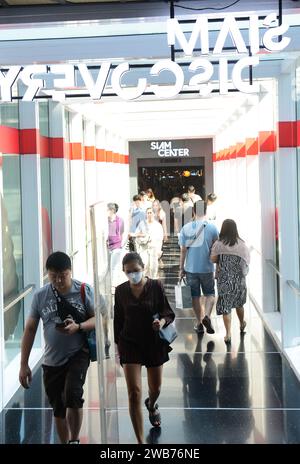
(183, 297)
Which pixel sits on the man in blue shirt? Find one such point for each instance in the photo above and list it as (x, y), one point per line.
(195, 240)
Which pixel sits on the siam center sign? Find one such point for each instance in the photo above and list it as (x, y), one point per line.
(59, 80)
(166, 149)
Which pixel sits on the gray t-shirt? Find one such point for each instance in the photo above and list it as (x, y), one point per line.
(59, 347)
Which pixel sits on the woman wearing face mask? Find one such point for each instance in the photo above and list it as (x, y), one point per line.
(137, 337)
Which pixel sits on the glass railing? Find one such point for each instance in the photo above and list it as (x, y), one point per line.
(104, 322)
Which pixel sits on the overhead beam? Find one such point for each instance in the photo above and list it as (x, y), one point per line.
(64, 10)
(82, 12)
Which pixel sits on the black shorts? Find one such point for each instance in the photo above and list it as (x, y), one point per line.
(148, 356)
(64, 384)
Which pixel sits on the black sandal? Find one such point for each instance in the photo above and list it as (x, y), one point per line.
(154, 414)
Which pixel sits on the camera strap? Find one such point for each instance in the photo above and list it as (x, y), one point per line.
(64, 308)
(203, 225)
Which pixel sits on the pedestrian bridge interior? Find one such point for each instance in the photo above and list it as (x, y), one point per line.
(244, 147)
(245, 392)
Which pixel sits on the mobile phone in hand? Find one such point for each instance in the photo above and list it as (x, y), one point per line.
(61, 325)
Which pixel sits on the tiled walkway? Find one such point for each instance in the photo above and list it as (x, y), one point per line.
(245, 393)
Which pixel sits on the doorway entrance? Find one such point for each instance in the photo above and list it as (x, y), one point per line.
(169, 180)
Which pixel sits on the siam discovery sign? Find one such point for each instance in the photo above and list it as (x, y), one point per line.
(36, 78)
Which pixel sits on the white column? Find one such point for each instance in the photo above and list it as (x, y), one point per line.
(31, 200)
(288, 211)
(267, 128)
(32, 235)
(124, 169)
(101, 161)
(217, 176)
(78, 196)
(253, 209)
(109, 166)
(90, 163)
(1, 298)
(90, 183)
(61, 214)
(241, 171)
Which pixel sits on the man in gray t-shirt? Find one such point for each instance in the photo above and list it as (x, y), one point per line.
(58, 347)
(66, 357)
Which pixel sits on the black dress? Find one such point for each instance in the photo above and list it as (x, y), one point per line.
(137, 342)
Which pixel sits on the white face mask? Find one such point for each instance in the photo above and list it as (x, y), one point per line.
(135, 277)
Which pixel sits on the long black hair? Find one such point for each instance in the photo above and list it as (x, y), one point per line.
(229, 234)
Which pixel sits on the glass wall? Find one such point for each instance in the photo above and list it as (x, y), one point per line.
(276, 220)
(11, 232)
(297, 98)
(45, 181)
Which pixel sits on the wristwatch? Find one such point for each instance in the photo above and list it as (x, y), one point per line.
(79, 327)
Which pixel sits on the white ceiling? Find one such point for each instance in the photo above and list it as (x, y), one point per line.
(178, 118)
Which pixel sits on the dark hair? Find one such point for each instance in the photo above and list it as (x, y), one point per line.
(191, 188)
(112, 207)
(229, 234)
(151, 192)
(58, 261)
(130, 257)
(212, 197)
(136, 197)
(199, 208)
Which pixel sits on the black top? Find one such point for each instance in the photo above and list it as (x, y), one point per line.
(133, 316)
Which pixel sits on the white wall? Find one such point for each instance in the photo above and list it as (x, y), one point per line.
(245, 187)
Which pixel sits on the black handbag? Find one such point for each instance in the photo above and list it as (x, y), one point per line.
(65, 309)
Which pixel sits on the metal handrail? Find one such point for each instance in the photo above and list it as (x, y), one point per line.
(29, 288)
(20, 296)
(291, 283)
(294, 286)
(271, 263)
